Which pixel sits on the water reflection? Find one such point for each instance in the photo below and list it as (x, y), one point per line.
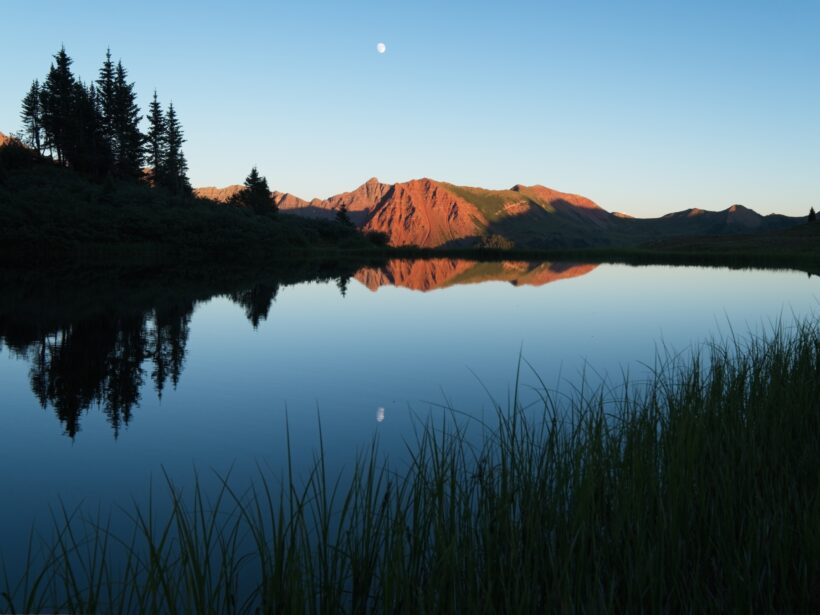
(103, 361)
(99, 344)
(257, 301)
(102, 344)
(425, 275)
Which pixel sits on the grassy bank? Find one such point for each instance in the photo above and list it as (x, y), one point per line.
(697, 491)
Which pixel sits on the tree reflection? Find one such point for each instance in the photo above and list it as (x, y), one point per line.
(102, 361)
(256, 301)
(100, 338)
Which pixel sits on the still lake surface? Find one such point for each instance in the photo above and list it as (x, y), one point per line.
(97, 399)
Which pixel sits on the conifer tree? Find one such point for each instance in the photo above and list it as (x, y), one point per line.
(342, 217)
(105, 87)
(155, 140)
(174, 174)
(32, 116)
(256, 194)
(128, 140)
(86, 148)
(812, 215)
(56, 99)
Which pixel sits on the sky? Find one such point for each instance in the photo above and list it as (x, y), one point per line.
(644, 107)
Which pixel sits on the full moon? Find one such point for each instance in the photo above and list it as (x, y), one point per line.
(381, 47)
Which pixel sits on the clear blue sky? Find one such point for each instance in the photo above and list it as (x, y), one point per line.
(645, 107)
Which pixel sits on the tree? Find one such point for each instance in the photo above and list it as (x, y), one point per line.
(128, 140)
(105, 87)
(86, 148)
(32, 116)
(255, 195)
(812, 215)
(174, 172)
(56, 100)
(155, 140)
(342, 216)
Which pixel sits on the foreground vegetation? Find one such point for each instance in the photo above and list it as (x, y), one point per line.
(696, 491)
(50, 214)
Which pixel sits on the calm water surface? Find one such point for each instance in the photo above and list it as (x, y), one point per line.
(97, 399)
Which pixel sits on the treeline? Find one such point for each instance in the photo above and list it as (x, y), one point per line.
(94, 128)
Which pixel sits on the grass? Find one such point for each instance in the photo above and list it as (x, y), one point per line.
(696, 491)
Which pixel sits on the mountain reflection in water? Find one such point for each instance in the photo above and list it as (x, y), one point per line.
(102, 345)
(436, 273)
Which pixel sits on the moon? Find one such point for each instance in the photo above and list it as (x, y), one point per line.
(381, 47)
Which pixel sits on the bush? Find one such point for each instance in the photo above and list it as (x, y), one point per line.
(497, 242)
(377, 238)
(14, 155)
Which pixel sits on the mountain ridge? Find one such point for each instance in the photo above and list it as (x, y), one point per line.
(429, 213)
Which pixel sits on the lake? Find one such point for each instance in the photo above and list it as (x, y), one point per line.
(107, 384)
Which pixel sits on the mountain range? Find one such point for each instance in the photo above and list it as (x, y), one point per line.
(429, 213)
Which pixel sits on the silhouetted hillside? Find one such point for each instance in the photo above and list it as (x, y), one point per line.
(50, 213)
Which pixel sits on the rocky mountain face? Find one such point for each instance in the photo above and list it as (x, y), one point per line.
(429, 213)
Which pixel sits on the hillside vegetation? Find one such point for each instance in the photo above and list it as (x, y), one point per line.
(53, 214)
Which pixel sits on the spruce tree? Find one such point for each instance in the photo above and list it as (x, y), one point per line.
(32, 117)
(128, 140)
(342, 217)
(256, 194)
(174, 174)
(86, 148)
(155, 140)
(56, 98)
(105, 87)
(812, 215)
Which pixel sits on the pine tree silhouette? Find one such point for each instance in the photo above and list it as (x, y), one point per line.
(105, 87)
(56, 101)
(32, 116)
(155, 140)
(342, 217)
(812, 215)
(174, 174)
(86, 148)
(256, 194)
(126, 117)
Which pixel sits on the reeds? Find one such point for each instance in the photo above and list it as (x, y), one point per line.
(698, 491)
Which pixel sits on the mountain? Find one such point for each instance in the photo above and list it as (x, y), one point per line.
(4, 139)
(429, 213)
(735, 220)
(426, 275)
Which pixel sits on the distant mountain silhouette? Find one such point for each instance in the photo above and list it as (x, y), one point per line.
(429, 213)
(425, 275)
